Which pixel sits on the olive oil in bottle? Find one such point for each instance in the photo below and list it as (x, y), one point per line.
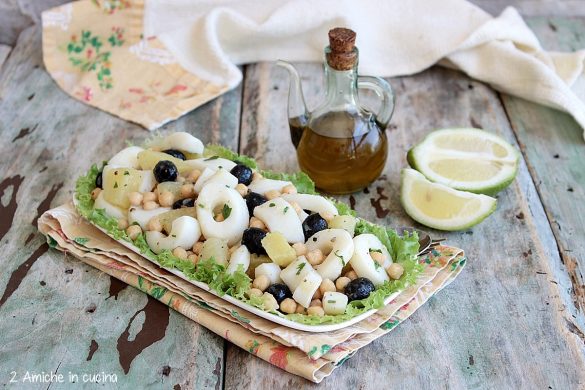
(342, 152)
(341, 145)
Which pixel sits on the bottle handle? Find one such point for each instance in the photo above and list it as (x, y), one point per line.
(384, 91)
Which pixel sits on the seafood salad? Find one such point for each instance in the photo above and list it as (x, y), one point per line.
(267, 239)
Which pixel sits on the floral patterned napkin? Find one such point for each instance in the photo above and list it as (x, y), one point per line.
(310, 355)
(96, 52)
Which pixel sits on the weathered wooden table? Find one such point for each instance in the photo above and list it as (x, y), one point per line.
(513, 319)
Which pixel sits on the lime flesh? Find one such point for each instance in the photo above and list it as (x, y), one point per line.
(466, 159)
(441, 207)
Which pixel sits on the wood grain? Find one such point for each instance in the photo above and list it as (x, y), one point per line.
(552, 143)
(4, 52)
(55, 312)
(506, 314)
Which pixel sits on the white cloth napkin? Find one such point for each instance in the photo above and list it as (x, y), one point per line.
(395, 37)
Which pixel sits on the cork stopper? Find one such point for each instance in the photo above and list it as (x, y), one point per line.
(342, 54)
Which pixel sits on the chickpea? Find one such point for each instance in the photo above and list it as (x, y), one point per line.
(242, 189)
(133, 231)
(257, 223)
(197, 247)
(194, 175)
(296, 206)
(254, 292)
(316, 311)
(154, 225)
(272, 194)
(316, 302)
(288, 306)
(300, 248)
(301, 310)
(341, 282)
(289, 189)
(315, 257)
(351, 275)
(187, 190)
(181, 253)
(327, 216)
(193, 258)
(150, 205)
(257, 176)
(261, 282)
(122, 223)
(269, 301)
(378, 257)
(317, 294)
(148, 196)
(95, 193)
(135, 198)
(327, 285)
(166, 199)
(395, 271)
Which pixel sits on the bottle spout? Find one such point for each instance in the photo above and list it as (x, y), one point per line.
(297, 108)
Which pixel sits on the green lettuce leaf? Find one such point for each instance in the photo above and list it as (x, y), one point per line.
(403, 248)
(300, 180)
(218, 150)
(343, 208)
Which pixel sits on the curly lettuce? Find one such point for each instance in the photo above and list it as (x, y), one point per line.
(223, 152)
(301, 180)
(403, 249)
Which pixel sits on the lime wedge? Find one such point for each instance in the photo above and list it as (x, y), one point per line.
(466, 159)
(440, 207)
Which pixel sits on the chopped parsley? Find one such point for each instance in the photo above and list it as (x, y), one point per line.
(211, 158)
(115, 184)
(126, 173)
(376, 264)
(226, 211)
(331, 301)
(201, 205)
(285, 210)
(375, 250)
(300, 267)
(340, 257)
(271, 205)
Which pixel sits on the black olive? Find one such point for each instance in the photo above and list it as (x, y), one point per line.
(254, 200)
(182, 203)
(175, 153)
(243, 173)
(165, 170)
(99, 181)
(279, 291)
(312, 224)
(252, 239)
(359, 288)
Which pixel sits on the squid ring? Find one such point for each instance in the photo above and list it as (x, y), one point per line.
(215, 195)
(340, 245)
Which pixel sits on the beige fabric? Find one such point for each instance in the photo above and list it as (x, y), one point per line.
(152, 62)
(97, 53)
(310, 355)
